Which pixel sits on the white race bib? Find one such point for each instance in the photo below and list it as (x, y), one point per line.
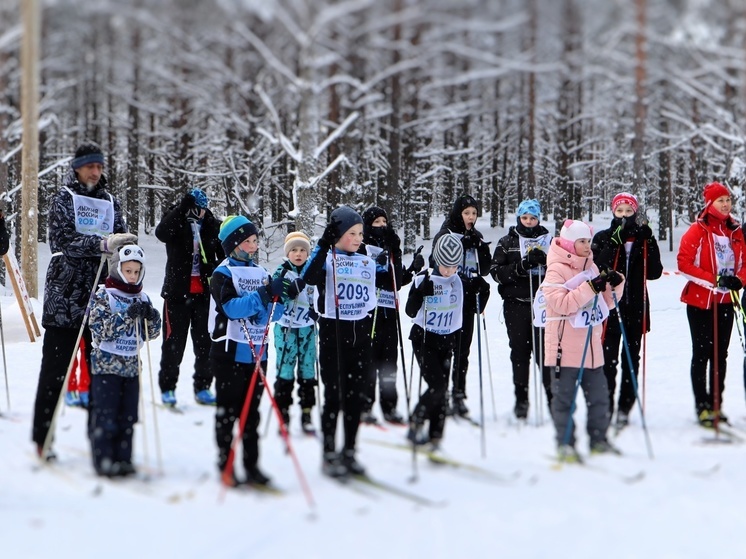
(93, 216)
(355, 288)
(441, 313)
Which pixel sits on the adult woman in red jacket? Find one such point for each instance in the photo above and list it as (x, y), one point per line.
(711, 257)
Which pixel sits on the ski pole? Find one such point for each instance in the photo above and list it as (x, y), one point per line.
(276, 408)
(281, 360)
(141, 400)
(579, 380)
(489, 367)
(632, 375)
(644, 316)
(481, 391)
(538, 413)
(715, 387)
(399, 332)
(159, 455)
(227, 475)
(5, 364)
(60, 396)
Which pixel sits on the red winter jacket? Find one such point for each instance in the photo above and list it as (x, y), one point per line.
(696, 260)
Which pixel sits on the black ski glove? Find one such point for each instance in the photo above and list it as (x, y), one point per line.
(427, 287)
(645, 232)
(471, 239)
(417, 264)
(535, 258)
(616, 236)
(330, 235)
(295, 288)
(383, 258)
(598, 284)
(613, 277)
(730, 282)
(392, 239)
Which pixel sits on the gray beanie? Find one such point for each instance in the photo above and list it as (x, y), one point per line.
(448, 250)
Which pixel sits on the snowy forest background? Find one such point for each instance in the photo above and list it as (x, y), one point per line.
(282, 109)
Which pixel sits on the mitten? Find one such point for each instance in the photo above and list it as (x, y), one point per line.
(295, 288)
(383, 258)
(730, 282)
(136, 310)
(613, 277)
(115, 241)
(598, 284)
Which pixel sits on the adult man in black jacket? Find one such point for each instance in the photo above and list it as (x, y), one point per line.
(190, 232)
(85, 224)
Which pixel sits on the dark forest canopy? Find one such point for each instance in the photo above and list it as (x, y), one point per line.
(281, 109)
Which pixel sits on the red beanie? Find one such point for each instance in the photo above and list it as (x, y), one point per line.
(624, 198)
(713, 191)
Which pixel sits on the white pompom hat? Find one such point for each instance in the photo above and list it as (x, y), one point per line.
(572, 230)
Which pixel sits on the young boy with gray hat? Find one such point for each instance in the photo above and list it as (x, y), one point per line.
(435, 303)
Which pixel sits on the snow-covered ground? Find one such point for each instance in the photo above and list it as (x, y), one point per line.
(686, 502)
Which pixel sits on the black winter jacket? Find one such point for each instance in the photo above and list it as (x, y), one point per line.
(473, 285)
(514, 283)
(75, 257)
(175, 231)
(609, 255)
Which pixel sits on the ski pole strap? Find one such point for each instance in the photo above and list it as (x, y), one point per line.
(558, 364)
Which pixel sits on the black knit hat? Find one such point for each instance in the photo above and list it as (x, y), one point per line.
(373, 213)
(346, 217)
(448, 251)
(86, 154)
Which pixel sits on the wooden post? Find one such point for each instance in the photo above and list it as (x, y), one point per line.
(19, 288)
(30, 154)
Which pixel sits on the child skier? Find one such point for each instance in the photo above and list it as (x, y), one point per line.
(384, 246)
(518, 266)
(632, 250)
(711, 256)
(475, 264)
(435, 303)
(578, 301)
(242, 298)
(295, 336)
(119, 315)
(345, 298)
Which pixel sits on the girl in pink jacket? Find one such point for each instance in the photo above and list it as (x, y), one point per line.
(578, 300)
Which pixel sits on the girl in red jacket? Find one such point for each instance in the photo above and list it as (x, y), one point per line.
(711, 257)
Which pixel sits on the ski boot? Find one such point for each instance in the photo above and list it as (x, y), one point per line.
(394, 418)
(168, 398)
(459, 406)
(204, 398)
(352, 466)
(332, 466)
(567, 454)
(604, 447)
(521, 409)
(254, 476)
(72, 399)
(306, 423)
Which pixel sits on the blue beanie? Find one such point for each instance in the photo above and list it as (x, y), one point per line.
(87, 154)
(346, 217)
(531, 206)
(200, 198)
(234, 230)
